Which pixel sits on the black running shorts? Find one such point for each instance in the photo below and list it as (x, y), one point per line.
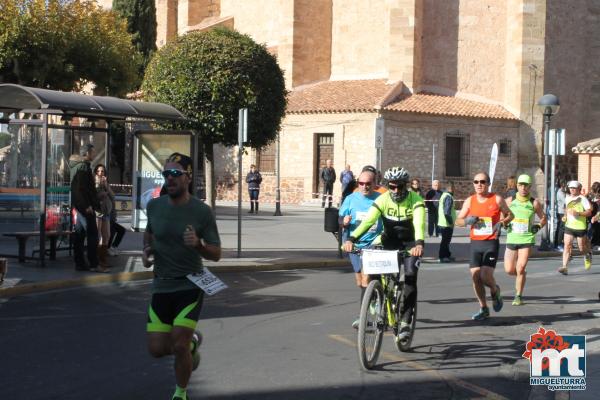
(484, 253)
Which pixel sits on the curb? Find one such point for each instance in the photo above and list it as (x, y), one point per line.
(36, 287)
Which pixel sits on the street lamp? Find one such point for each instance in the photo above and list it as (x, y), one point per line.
(549, 106)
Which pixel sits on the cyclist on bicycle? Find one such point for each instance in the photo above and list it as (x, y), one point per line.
(403, 215)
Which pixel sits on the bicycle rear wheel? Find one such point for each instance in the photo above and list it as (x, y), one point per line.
(404, 345)
(371, 325)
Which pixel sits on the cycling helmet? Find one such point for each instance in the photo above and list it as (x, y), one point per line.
(400, 176)
(396, 174)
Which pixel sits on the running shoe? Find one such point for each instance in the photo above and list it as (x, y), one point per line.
(563, 270)
(355, 323)
(483, 313)
(497, 300)
(518, 300)
(196, 342)
(404, 332)
(587, 261)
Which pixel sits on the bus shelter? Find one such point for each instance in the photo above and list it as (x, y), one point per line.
(39, 130)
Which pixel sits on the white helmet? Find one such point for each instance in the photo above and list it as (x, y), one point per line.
(396, 174)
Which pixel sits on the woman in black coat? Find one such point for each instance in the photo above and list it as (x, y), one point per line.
(253, 179)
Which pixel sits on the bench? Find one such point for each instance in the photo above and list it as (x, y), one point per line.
(22, 238)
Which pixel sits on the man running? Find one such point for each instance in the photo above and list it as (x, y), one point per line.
(353, 211)
(521, 234)
(577, 210)
(403, 216)
(486, 213)
(181, 230)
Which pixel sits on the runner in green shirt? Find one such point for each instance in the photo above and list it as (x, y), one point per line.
(181, 231)
(521, 234)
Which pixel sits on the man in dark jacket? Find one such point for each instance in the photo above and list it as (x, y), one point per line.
(254, 179)
(84, 200)
(433, 197)
(328, 176)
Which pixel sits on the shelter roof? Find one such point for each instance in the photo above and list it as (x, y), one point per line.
(15, 98)
(588, 147)
(377, 94)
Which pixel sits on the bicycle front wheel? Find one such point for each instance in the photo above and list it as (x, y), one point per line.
(371, 325)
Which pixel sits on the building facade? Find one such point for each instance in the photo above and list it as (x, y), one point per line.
(445, 80)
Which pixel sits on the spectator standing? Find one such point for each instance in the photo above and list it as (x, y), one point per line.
(181, 230)
(446, 219)
(432, 198)
(560, 213)
(354, 209)
(105, 199)
(328, 177)
(84, 200)
(346, 177)
(415, 186)
(254, 179)
(511, 188)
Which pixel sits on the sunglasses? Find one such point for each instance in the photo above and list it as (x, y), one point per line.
(364, 183)
(482, 182)
(175, 173)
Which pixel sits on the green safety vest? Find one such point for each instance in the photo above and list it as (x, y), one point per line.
(441, 217)
(519, 230)
(578, 223)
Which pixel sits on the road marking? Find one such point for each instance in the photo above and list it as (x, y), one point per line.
(428, 370)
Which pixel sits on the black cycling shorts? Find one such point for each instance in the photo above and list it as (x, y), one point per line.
(576, 232)
(180, 308)
(484, 253)
(513, 246)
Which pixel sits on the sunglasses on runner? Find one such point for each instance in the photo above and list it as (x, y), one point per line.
(482, 182)
(394, 186)
(175, 173)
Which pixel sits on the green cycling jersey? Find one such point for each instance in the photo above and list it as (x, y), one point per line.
(402, 222)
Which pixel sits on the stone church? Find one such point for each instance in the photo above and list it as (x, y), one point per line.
(426, 84)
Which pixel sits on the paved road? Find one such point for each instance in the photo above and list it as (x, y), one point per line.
(286, 335)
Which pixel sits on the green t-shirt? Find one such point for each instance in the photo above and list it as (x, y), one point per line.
(173, 260)
(519, 230)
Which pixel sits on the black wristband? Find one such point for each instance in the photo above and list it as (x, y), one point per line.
(352, 239)
(420, 243)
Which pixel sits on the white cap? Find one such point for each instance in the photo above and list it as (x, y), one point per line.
(574, 184)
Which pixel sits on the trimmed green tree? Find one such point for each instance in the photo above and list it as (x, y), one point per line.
(141, 24)
(64, 44)
(209, 76)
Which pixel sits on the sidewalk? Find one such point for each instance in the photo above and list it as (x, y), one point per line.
(294, 240)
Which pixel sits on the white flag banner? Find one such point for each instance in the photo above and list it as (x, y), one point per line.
(493, 161)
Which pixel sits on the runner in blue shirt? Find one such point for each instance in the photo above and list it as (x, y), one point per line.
(353, 211)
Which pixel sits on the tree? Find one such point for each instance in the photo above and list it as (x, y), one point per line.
(209, 76)
(141, 24)
(64, 44)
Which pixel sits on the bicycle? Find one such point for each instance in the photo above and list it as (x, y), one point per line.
(381, 308)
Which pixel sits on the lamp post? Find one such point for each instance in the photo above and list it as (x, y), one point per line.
(549, 106)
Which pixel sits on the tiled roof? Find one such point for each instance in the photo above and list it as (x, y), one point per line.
(424, 103)
(590, 146)
(338, 96)
(375, 94)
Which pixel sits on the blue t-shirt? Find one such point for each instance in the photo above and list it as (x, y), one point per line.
(357, 205)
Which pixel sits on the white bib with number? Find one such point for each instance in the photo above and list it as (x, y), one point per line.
(483, 227)
(520, 225)
(207, 281)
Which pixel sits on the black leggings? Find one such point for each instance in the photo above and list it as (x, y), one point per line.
(411, 271)
(117, 231)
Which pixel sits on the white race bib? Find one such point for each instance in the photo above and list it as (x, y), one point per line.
(376, 262)
(483, 227)
(207, 281)
(520, 225)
